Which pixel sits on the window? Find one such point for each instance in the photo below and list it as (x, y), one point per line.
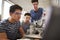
(6, 10)
(0, 6)
(0, 9)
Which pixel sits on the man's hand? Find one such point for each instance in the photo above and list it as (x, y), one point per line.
(22, 32)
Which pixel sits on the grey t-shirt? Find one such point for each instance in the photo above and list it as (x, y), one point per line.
(25, 26)
(11, 29)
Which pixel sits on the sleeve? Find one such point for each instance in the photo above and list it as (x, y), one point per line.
(2, 27)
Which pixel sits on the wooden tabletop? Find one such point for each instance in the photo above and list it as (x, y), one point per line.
(33, 36)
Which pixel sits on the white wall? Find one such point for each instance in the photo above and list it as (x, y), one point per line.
(27, 5)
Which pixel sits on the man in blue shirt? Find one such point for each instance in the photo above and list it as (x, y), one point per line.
(11, 26)
(36, 13)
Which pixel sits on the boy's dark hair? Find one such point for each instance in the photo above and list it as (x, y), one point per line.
(14, 7)
(32, 1)
(27, 14)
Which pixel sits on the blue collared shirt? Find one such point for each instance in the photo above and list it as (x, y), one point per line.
(36, 15)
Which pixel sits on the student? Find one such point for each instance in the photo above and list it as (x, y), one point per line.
(26, 22)
(11, 26)
(36, 13)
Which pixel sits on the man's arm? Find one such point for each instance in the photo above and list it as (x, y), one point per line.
(3, 36)
(22, 31)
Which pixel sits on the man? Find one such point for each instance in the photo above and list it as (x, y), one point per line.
(26, 22)
(11, 26)
(36, 13)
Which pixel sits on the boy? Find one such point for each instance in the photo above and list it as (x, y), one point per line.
(11, 26)
(26, 22)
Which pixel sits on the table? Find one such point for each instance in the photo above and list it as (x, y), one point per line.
(35, 37)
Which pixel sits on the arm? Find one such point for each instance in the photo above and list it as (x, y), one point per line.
(3, 36)
(21, 31)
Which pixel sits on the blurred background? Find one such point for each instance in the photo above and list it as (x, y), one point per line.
(49, 6)
(27, 6)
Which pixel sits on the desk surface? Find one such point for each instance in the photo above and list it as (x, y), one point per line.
(33, 36)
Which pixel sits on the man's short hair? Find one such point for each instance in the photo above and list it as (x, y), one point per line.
(14, 7)
(32, 1)
(27, 14)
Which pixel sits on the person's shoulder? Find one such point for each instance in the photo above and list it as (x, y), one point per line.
(3, 21)
(31, 10)
(40, 8)
(18, 22)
